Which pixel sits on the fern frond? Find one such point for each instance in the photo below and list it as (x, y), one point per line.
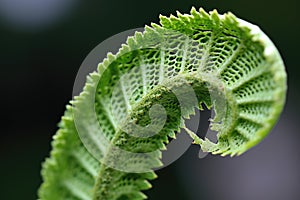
(111, 130)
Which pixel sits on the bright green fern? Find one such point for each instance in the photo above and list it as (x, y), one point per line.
(217, 60)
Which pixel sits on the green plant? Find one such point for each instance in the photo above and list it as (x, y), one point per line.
(217, 56)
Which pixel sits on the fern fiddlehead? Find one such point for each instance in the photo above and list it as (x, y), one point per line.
(139, 98)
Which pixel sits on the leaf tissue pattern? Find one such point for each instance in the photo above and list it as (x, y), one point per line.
(142, 95)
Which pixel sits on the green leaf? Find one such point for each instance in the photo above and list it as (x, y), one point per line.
(139, 99)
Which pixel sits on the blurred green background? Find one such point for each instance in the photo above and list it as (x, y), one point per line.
(43, 43)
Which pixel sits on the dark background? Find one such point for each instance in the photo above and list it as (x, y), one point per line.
(42, 45)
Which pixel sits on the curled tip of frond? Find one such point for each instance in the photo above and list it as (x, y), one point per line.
(187, 24)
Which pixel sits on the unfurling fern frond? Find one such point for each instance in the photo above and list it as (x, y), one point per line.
(111, 138)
